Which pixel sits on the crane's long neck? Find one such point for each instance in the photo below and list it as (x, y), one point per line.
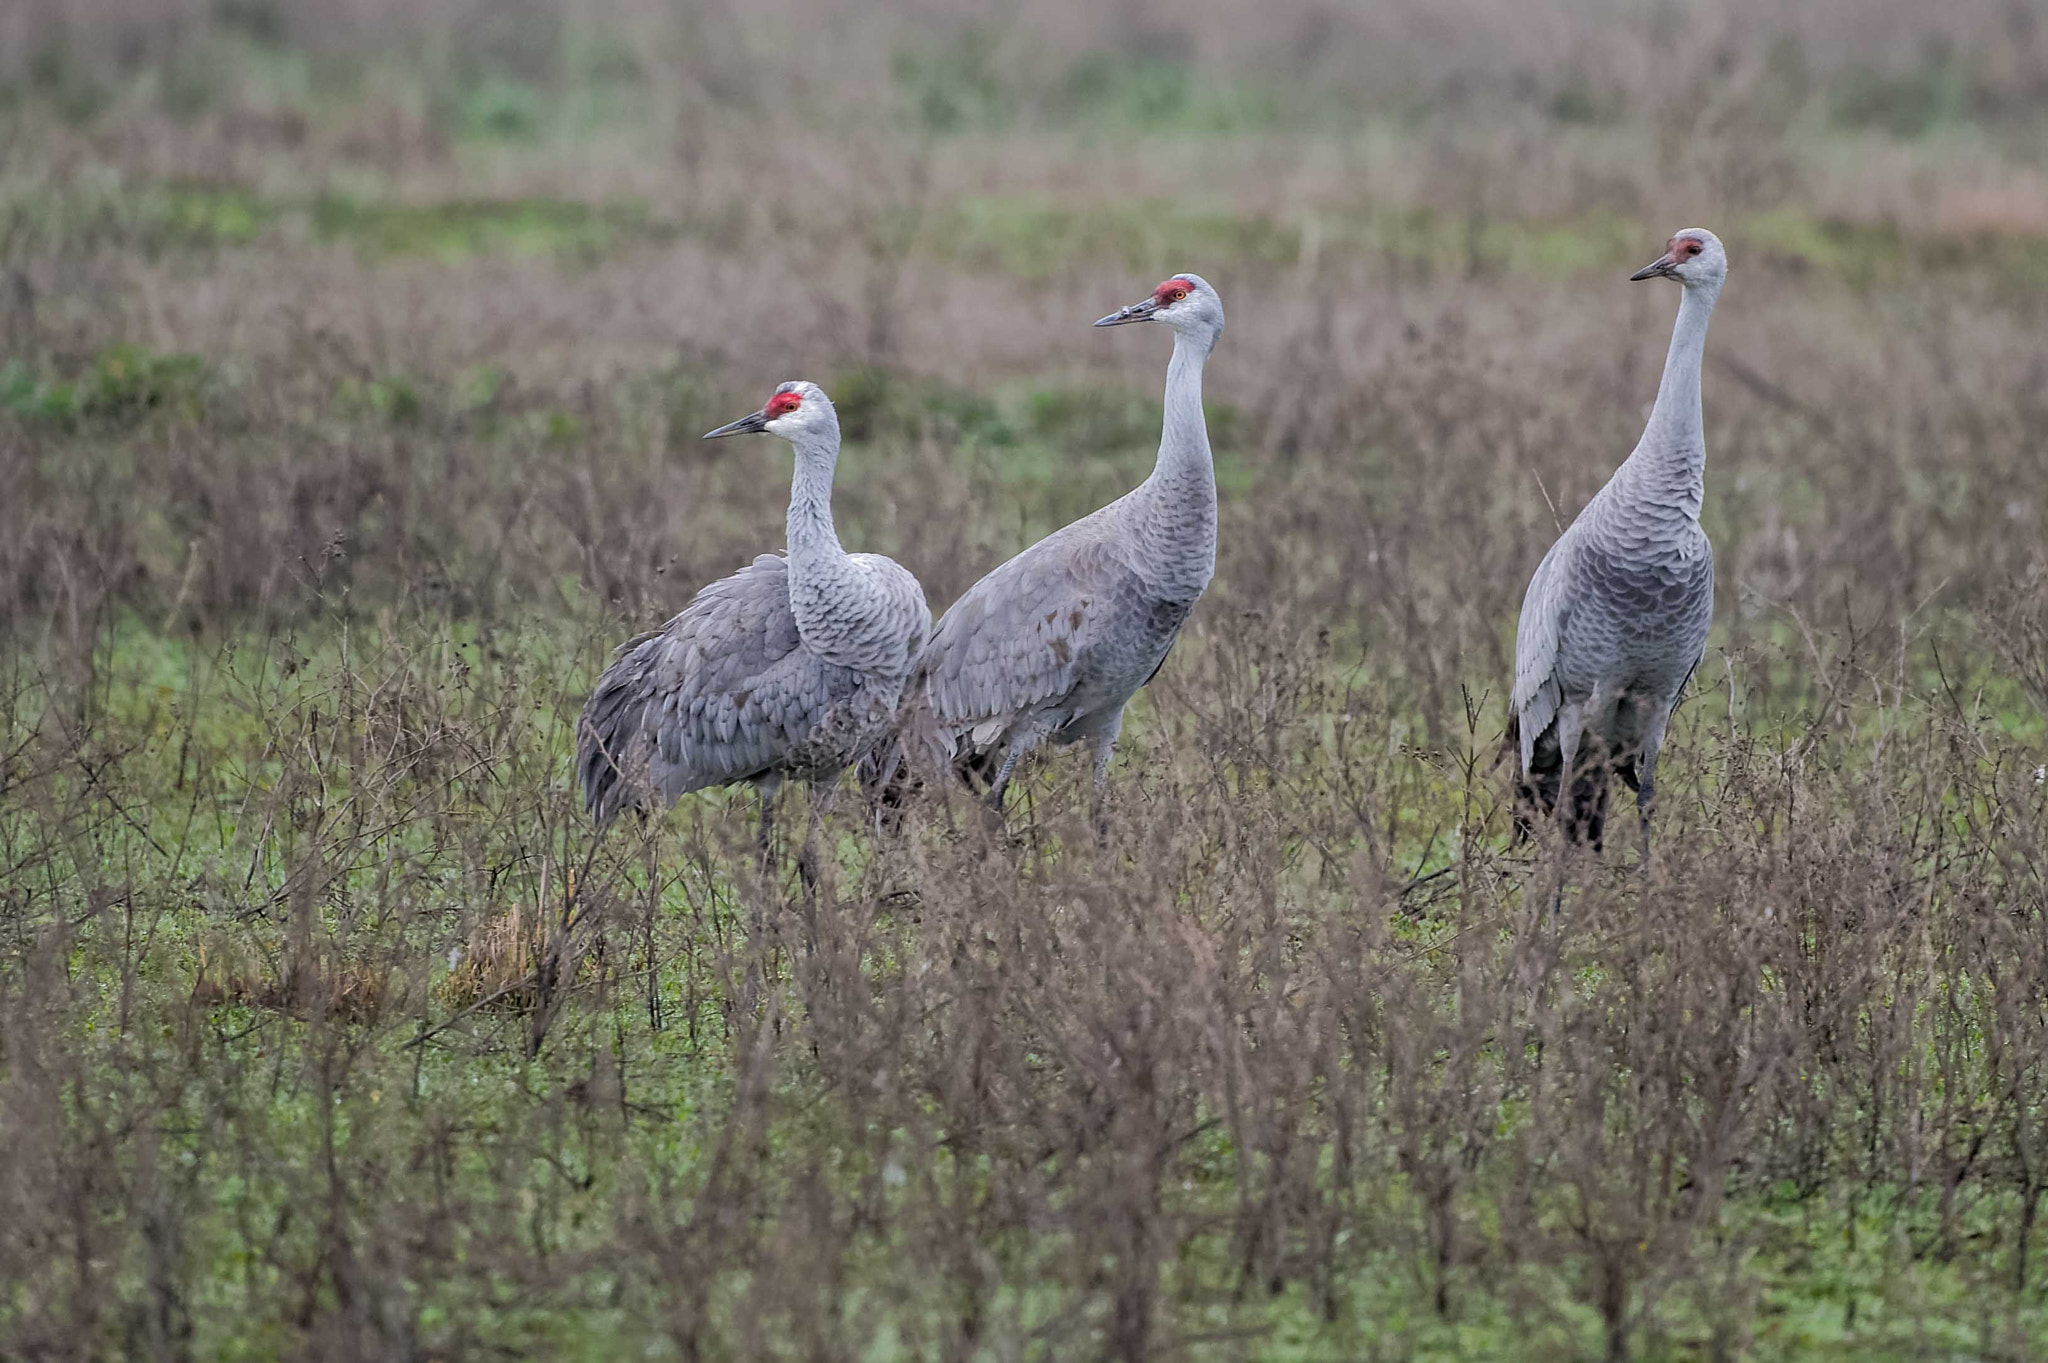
(1669, 465)
(820, 573)
(1177, 520)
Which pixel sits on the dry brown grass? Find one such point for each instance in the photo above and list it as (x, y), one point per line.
(342, 431)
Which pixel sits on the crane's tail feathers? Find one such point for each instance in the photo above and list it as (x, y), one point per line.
(613, 778)
(608, 786)
(1535, 801)
(1537, 790)
(917, 750)
(1510, 748)
(1589, 806)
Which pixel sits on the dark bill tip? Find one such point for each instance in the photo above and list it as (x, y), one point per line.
(756, 422)
(1136, 312)
(1659, 267)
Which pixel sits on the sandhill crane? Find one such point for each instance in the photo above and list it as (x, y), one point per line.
(1616, 616)
(1051, 645)
(793, 668)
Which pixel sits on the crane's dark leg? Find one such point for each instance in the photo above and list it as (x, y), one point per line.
(1098, 804)
(886, 784)
(1105, 749)
(1646, 772)
(1022, 740)
(1646, 798)
(1540, 786)
(807, 860)
(757, 917)
(768, 793)
(1589, 800)
(1571, 722)
(1570, 730)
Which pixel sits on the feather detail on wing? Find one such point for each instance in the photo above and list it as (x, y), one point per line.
(1016, 640)
(721, 693)
(902, 614)
(1538, 635)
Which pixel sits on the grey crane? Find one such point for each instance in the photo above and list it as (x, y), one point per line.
(792, 668)
(1051, 645)
(1615, 619)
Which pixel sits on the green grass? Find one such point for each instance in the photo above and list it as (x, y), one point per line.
(1028, 238)
(228, 717)
(299, 625)
(184, 217)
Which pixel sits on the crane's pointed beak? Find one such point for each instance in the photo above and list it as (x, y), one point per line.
(744, 426)
(1663, 266)
(1136, 312)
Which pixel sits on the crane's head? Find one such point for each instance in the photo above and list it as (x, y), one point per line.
(1693, 257)
(1185, 302)
(794, 410)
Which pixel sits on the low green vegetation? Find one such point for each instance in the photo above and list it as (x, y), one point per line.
(350, 392)
(185, 218)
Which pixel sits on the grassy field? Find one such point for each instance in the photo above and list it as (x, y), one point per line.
(352, 360)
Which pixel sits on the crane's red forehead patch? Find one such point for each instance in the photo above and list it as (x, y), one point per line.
(1165, 292)
(783, 403)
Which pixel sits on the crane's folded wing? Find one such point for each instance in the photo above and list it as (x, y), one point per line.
(721, 693)
(1017, 639)
(1536, 696)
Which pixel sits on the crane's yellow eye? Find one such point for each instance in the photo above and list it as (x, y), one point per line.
(1179, 294)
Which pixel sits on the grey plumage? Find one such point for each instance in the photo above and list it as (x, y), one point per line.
(1051, 645)
(1616, 616)
(791, 668)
